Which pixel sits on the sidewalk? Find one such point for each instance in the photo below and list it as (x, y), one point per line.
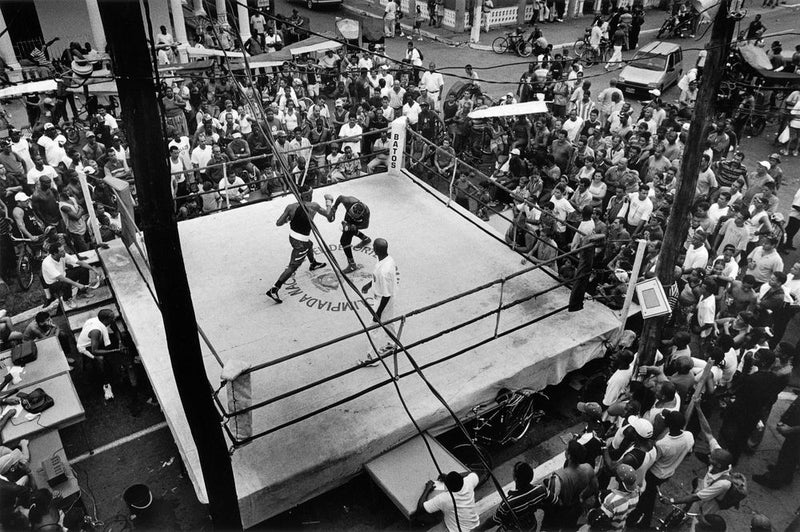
(561, 35)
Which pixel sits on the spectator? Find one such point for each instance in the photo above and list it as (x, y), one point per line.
(459, 488)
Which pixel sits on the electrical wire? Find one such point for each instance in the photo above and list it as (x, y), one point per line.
(334, 265)
(342, 277)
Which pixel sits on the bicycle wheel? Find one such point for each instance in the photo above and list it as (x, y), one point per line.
(500, 45)
(588, 56)
(25, 271)
(755, 126)
(524, 49)
(470, 455)
(665, 28)
(578, 47)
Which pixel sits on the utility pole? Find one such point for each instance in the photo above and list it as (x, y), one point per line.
(678, 222)
(138, 94)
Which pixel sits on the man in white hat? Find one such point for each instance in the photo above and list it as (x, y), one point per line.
(756, 180)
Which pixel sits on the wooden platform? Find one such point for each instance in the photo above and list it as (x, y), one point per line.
(233, 257)
(402, 472)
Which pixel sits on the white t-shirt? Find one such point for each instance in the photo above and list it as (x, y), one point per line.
(201, 156)
(85, 341)
(617, 384)
(52, 269)
(573, 128)
(111, 122)
(184, 149)
(52, 155)
(355, 131)
(34, 175)
(23, 149)
(731, 267)
(433, 82)
(391, 10)
(637, 209)
(695, 258)
(258, 21)
(465, 502)
(706, 310)
(561, 208)
(670, 452)
(385, 278)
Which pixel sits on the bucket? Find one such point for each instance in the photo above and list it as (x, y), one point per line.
(138, 498)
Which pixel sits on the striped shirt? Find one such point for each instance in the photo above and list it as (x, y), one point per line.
(618, 505)
(523, 504)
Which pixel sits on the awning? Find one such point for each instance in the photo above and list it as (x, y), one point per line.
(313, 44)
(191, 51)
(514, 109)
(100, 88)
(755, 56)
(47, 85)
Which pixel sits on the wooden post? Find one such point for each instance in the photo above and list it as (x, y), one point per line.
(98, 238)
(637, 266)
(678, 221)
(132, 58)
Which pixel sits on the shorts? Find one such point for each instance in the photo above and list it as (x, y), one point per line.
(300, 251)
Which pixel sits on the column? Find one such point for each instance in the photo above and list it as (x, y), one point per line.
(461, 10)
(243, 16)
(222, 13)
(179, 28)
(521, 5)
(6, 48)
(96, 24)
(198, 8)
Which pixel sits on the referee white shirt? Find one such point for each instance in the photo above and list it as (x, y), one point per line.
(385, 283)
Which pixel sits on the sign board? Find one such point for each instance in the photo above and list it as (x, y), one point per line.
(652, 298)
(397, 144)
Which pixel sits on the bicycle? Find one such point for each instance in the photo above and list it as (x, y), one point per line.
(675, 518)
(590, 56)
(505, 421)
(28, 252)
(511, 41)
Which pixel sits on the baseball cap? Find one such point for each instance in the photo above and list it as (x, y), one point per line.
(515, 151)
(593, 410)
(775, 156)
(49, 125)
(655, 92)
(90, 134)
(642, 427)
(765, 164)
(626, 476)
(21, 196)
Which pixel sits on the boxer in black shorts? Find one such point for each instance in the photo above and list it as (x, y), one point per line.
(356, 218)
(300, 235)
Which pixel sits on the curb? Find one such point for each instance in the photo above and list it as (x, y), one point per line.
(449, 42)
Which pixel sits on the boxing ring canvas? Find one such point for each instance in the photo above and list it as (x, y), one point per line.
(233, 257)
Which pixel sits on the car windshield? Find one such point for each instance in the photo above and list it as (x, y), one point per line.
(650, 62)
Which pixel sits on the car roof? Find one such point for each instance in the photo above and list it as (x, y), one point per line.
(659, 48)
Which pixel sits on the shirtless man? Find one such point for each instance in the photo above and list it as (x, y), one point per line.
(299, 220)
(356, 218)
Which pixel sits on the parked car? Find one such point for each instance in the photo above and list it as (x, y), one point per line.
(659, 65)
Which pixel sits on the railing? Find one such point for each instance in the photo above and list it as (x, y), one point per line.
(497, 332)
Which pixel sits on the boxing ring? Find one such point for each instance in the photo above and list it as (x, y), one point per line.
(473, 317)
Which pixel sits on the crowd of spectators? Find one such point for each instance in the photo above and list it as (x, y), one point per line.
(647, 421)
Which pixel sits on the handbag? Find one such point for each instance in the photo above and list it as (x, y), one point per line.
(783, 138)
(36, 401)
